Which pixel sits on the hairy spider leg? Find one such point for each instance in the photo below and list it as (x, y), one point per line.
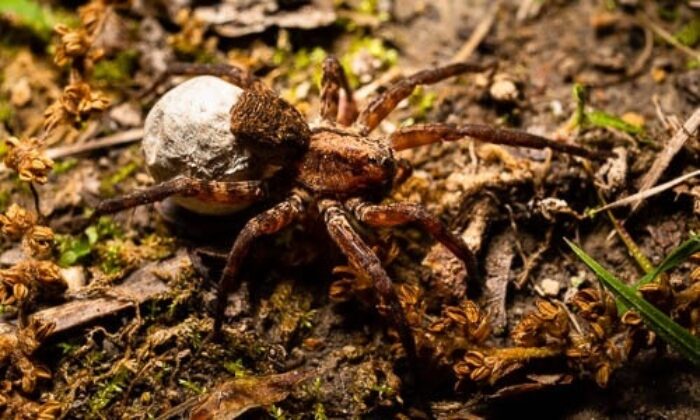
(423, 134)
(396, 214)
(362, 258)
(270, 221)
(380, 106)
(238, 192)
(334, 107)
(235, 75)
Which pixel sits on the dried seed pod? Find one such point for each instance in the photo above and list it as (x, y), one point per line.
(588, 302)
(39, 241)
(77, 103)
(472, 312)
(439, 326)
(25, 157)
(527, 332)
(461, 369)
(20, 292)
(72, 44)
(479, 374)
(602, 375)
(474, 358)
(341, 290)
(25, 276)
(16, 222)
(631, 318)
(547, 310)
(408, 295)
(456, 315)
(92, 15)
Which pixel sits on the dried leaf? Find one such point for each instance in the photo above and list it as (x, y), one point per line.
(235, 397)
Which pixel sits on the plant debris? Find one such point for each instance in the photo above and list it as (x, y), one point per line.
(113, 317)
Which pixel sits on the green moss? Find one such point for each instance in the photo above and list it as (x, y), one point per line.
(689, 34)
(422, 102)
(118, 70)
(6, 113)
(72, 249)
(64, 166)
(236, 368)
(692, 64)
(109, 391)
(584, 118)
(376, 47)
(107, 185)
(4, 200)
(111, 261)
(667, 11)
(191, 386)
(39, 18)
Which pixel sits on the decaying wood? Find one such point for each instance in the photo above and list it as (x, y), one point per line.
(499, 259)
(231, 19)
(141, 286)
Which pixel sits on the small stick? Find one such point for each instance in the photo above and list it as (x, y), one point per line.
(672, 147)
(644, 194)
(119, 139)
(663, 34)
(480, 32)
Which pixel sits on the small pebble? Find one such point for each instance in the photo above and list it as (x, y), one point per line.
(74, 277)
(127, 115)
(634, 119)
(550, 287)
(21, 93)
(504, 91)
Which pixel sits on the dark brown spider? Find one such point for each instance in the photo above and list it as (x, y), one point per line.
(336, 167)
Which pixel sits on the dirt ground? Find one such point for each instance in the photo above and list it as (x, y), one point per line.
(302, 336)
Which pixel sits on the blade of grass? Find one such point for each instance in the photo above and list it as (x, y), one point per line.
(677, 256)
(675, 335)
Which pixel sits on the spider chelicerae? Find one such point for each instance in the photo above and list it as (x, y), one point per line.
(335, 168)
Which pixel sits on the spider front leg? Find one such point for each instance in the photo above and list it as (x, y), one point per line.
(335, 107)
(423, 134)
(382, 105)
(362, 258)
(401, 213)
(266, 223)
(240, 192)
(235, 75)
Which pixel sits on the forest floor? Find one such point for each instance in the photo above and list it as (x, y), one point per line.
(127, 333)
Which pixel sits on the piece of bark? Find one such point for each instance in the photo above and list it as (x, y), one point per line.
(232, 20)
(141, 286)
(499, 259)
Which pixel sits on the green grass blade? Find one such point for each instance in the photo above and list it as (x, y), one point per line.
(675, 335)
(603, 119)
(677, 256)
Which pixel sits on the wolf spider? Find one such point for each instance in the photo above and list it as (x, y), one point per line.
(335, 166)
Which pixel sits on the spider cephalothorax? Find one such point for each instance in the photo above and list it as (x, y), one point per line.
(336, 169)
